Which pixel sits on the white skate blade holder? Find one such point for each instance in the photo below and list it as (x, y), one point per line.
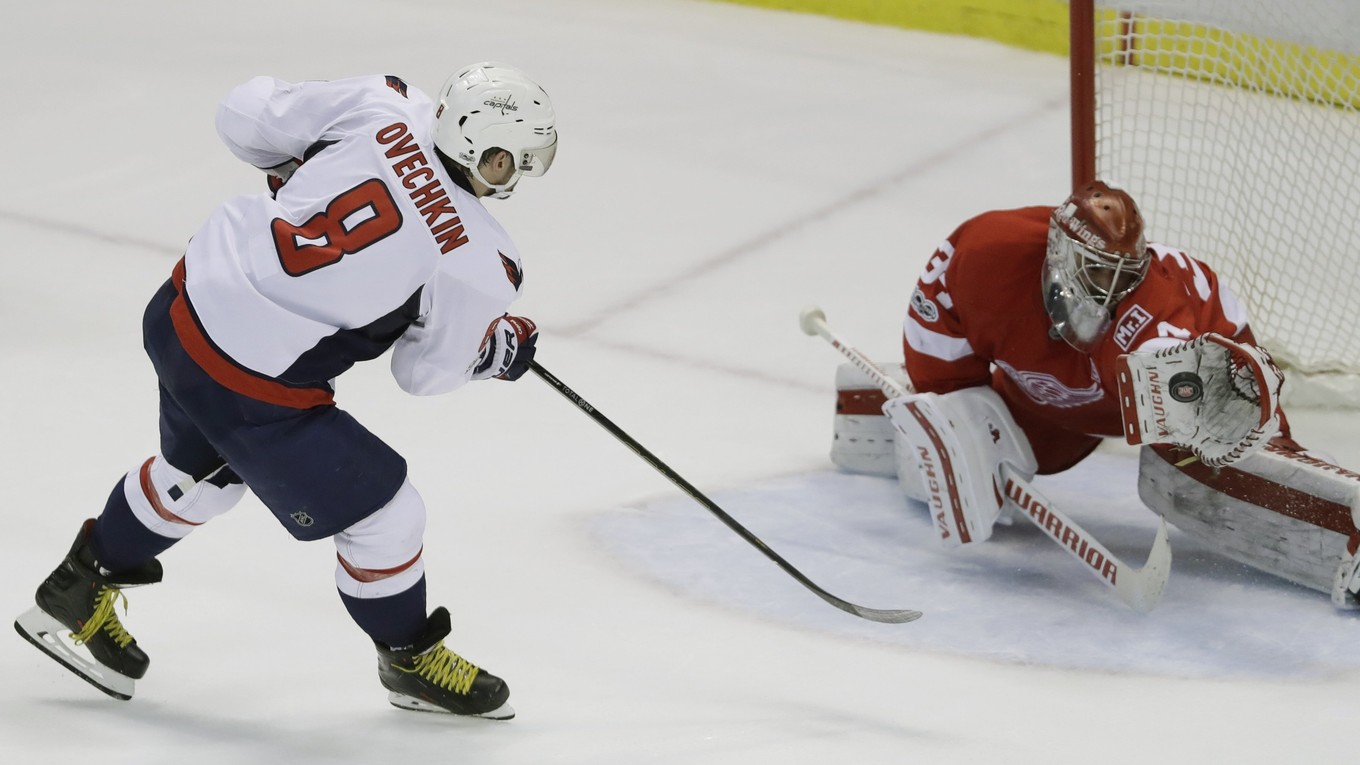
(53, 638)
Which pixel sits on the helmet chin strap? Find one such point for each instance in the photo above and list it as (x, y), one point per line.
(498, 191)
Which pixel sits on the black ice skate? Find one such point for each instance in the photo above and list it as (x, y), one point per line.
(76, 608)
(427, 677)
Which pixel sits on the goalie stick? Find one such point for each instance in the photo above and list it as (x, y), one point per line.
(1140, 588)
(886, 616)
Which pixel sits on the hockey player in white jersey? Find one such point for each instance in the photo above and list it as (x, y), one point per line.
(372, 236)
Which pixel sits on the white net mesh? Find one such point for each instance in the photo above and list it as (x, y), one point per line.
(1234, 124)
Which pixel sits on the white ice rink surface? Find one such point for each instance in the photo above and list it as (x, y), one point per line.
(720, 168)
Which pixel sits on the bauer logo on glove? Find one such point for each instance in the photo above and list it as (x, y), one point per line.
(507, 349)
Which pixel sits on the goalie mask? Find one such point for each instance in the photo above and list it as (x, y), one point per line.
(1096, 257)
(495, 106)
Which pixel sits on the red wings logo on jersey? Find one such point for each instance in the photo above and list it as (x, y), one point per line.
(1046, 389)
(512, 270)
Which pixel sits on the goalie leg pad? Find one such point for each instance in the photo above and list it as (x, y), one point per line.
(1346, 584)
(862, 438)
(1280, 511)
(950, 451)
(908, 468)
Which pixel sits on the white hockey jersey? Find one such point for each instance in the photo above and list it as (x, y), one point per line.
(369, 245)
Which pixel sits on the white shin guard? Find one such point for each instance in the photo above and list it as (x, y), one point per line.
(381, 555)
(949, 455)
(169, 502)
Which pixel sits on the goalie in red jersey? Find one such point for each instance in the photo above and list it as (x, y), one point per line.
(1035, 333)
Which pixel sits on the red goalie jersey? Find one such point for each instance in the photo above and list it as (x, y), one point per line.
(977, 317)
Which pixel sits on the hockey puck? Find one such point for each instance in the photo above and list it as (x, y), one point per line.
(1186, 387)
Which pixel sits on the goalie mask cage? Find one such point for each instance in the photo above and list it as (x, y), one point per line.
(1234, 125)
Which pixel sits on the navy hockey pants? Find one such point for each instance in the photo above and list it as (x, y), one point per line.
(317, 469)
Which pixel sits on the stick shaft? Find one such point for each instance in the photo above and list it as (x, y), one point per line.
(888, 616)
(890, 386)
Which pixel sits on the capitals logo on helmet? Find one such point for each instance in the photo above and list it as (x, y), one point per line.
(496, 106)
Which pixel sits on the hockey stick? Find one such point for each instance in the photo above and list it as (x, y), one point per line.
(886, 616)
(1140, 588)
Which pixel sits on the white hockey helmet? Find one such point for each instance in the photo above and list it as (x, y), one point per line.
(1096, 256)
(495, 106)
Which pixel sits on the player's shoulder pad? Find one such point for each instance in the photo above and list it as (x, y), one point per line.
(1000, 247)
(490, 260)
(399, 96)
(1180, 267)
(1003, 233)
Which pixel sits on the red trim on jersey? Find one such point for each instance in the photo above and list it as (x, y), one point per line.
(154, 497)
(226, 372)
(1264, 492)
(374, 574)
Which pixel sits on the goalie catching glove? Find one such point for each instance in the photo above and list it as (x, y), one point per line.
(507, 349)
(1218, 398)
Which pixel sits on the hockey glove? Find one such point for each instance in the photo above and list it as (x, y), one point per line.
(1216, 397)
(507, 349)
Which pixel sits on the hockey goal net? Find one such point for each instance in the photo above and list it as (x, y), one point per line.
(1234, 124)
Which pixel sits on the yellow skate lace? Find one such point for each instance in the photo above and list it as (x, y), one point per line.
(445, 668)
(105, 618)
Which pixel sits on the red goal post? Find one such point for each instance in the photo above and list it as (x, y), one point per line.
(1236, 126)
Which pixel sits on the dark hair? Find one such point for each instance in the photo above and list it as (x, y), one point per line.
(490, 154)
